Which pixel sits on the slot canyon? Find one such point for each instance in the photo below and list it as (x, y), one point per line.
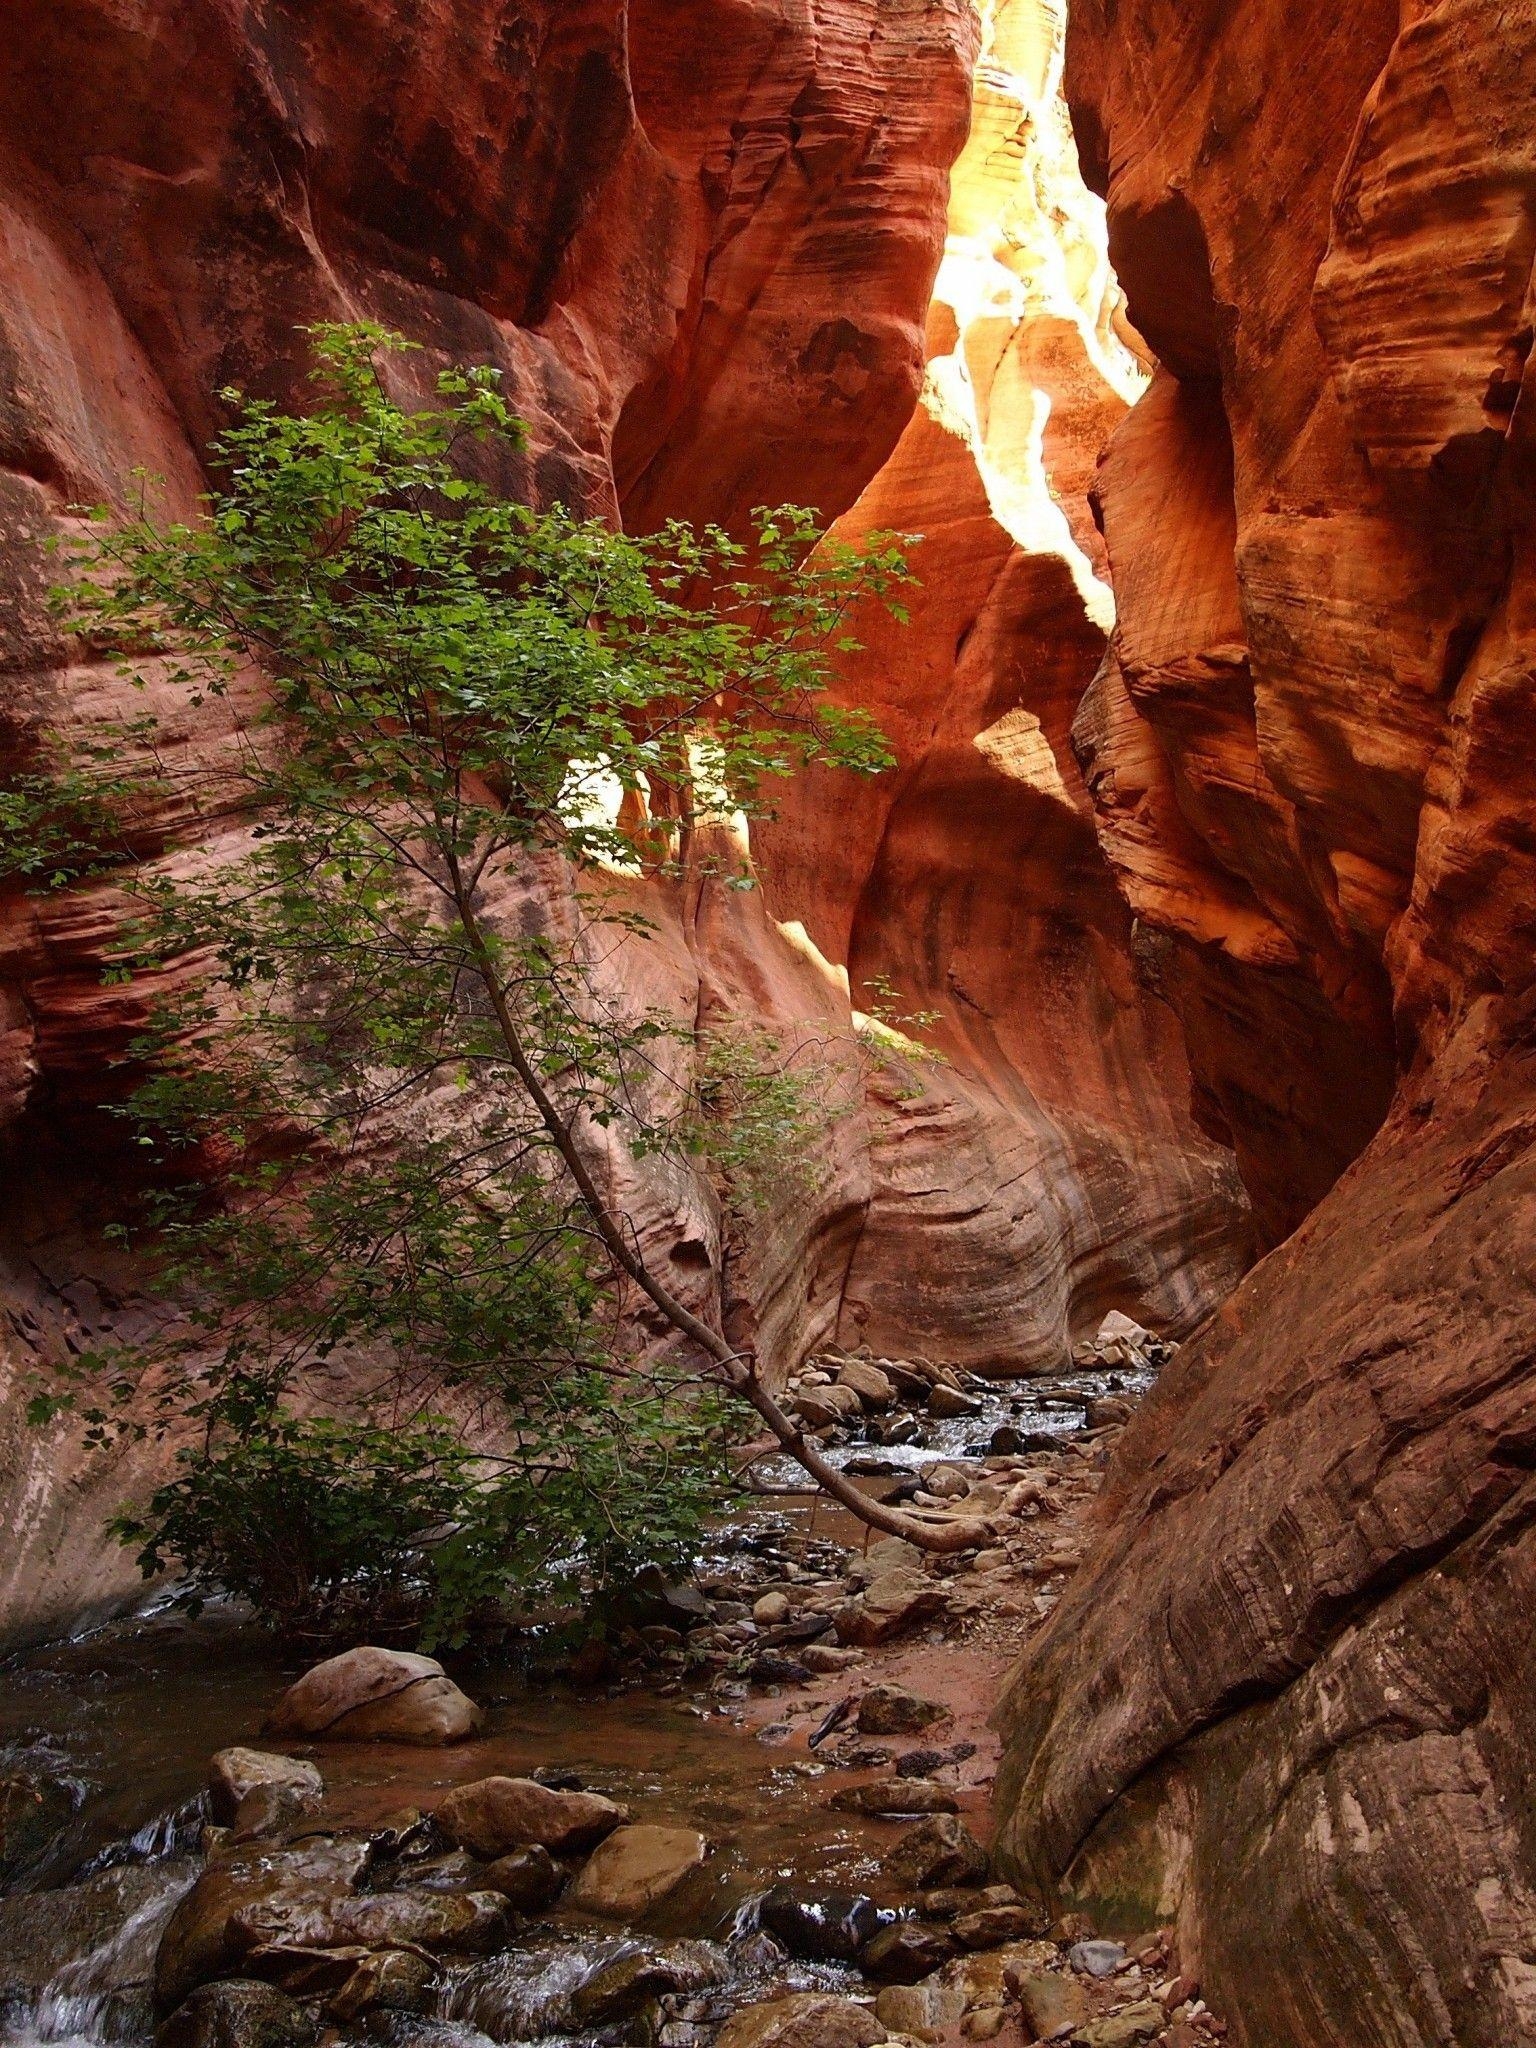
(1188, 345)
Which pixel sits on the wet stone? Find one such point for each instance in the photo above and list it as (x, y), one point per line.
(808, 2020)
(825, 1927)
(905, 1953)
(939, 1851)
(892, 1710)
(897, 1798)
(238, 2014)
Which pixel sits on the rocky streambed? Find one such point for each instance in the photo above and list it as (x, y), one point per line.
(763, 1824)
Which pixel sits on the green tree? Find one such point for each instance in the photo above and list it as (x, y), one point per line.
(378, 1068)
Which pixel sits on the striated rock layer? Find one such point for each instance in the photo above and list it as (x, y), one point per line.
(699, 239)
(969, 881)
(1288, 1698)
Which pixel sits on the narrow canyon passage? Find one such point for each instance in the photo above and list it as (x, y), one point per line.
(1177, 968)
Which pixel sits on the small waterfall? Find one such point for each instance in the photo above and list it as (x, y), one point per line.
(102, 1996)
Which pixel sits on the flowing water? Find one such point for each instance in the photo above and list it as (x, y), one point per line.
(121, 1724)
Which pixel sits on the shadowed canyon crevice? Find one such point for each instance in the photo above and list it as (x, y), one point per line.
(1208, 846)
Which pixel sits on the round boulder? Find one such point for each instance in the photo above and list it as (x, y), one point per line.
(492, 1815)
(634, 1869)
(376, 1695)
(238, 2014)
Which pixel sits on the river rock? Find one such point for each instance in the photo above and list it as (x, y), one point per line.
(634, 1869)
(376, 1695)
(492, 1815)
(34, 1808)
(472, 1922)
(288, 1785)
(945, 1401)
(771, 1610)
(238, 2014)
(939, 1851)
(810, 2019)
(1049, 2000)
(1096, 1958)
(898, 1601)
(872, 1386)
(529, 1877)
(621, 1984)
(42, 1932)
(992, 1926)
(905, 1953)
(892, 1710)
(896, 1798)
(1109, 1411)
(1143, 2021)
(820, 1927)
(825, 1658)
(391, 1980)
(198, 1942)
(927, 2008)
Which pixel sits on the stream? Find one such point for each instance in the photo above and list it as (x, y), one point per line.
(118, 1726)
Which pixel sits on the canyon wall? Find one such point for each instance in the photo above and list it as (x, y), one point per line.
(700, 241)
(1288, 1700)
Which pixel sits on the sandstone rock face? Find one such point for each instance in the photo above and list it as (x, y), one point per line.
(699, 244)
(1048, 1168)
(1296, 1670)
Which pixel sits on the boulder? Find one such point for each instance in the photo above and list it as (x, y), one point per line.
(1118, 1328)
(812, 1408)
(1049, 2000)
(992, 1926)
(199, 1944)
(826, 1658)
(771, 1611)
(390, 1980)
(820, 1927)
(238, 2014)
(944, 1481)
(905, 1953)
(41, 1933)
(528, 1877)
(1143, 2021)
(1109, 1411)
(234, 1775)
(938, 1851)
(810, 2019)
(896, 1798)
(492, 1815)
(892, 1710)
(376, 1695)
(34, 1808)
(634, 1869)
(621, 1984)
(900, 1600)
(1096, 1958)
(927, 2008)
(869, 1383)
(473, 1922)
(946, 1401)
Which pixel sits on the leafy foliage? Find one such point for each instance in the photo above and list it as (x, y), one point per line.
(378, 1065)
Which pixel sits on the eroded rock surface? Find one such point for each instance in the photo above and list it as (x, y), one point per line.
(700, 243)
(1295, 1670)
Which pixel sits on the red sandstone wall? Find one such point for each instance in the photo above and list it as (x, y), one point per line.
(699, 240)
(1289, 1698)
